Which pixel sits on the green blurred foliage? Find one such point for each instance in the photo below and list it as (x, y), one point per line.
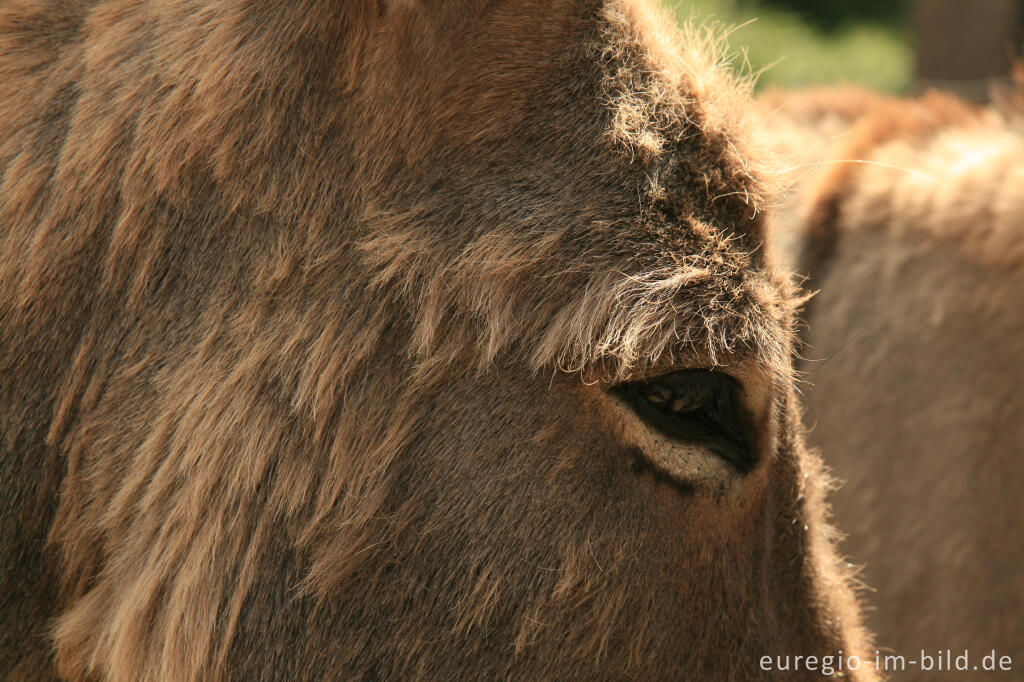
(790, 50)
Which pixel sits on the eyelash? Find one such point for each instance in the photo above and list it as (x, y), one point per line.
(696, 406)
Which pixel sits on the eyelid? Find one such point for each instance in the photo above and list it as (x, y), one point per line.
(683, 374)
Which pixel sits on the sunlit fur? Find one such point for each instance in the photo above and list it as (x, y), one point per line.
(307, 313)
(913, 354)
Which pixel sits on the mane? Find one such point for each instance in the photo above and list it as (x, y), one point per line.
(887, 122)
(962, 187)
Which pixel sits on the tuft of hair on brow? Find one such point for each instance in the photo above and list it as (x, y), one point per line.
(704, 308)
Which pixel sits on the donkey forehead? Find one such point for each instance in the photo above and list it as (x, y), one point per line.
(599, 204)
(607, 94)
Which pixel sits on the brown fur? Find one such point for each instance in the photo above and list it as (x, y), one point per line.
(914, 383)
(307, 314)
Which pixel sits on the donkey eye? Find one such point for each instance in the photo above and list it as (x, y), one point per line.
(696, 406)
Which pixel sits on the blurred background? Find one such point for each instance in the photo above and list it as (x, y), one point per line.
(897, 46)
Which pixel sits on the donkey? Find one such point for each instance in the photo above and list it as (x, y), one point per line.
(914, 355)
(396, 339)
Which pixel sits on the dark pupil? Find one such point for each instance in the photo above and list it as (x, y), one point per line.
(678, 400)
(697, 406)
